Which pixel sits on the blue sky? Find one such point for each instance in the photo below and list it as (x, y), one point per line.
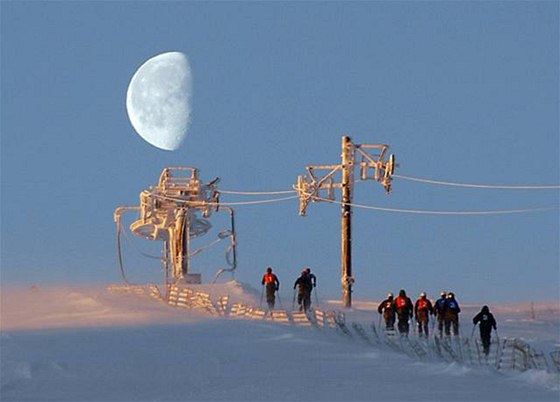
(461, 91)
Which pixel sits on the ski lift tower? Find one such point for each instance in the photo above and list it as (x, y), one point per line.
(377, 166)
(175, 211)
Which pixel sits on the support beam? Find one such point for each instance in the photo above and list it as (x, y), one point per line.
(346, 221)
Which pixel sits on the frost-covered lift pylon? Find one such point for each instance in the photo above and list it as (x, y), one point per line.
(175, 211)
(379, 167)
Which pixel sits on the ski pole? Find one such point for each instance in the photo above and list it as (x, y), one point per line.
(472, 333)
(279, 299)
(262, 294)
(294, 300)
(316, 298)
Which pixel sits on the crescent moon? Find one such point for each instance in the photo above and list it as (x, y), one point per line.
(158, 100)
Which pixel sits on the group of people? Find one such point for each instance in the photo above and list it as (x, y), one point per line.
(446, 311)
(398, 309)
(304, 283)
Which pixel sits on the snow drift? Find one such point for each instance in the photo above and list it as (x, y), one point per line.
(88, 344)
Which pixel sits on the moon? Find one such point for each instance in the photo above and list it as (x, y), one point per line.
(158, 100)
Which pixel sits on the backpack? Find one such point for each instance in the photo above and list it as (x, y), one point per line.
(452, 305)
(401, 302)
(269, 278)
(422, 304)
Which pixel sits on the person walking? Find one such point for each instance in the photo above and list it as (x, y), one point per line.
(451, 312)
(438, 311)
(312, 277)
(304, 285)
(387, 308)
(404, 309)
(422, 310)
(487, 322)
(272, 284)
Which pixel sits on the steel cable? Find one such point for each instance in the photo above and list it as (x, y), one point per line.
(487, 186)
(429, 212)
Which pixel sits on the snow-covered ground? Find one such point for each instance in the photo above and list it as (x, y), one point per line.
(88, 344)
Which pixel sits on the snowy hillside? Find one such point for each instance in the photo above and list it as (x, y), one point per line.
(91, 344)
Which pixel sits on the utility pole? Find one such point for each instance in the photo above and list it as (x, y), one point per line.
(312, 188)
(346, 221)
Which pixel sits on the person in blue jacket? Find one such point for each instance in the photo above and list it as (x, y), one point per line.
(438, 311)
(451, 312)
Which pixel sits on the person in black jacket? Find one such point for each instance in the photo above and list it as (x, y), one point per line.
(387, 308)
(487, 322)
(313, 280)
(304, 285)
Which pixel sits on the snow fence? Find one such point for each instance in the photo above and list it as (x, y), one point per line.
(507, 354)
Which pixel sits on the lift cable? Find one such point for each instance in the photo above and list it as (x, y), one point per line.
(266, 201)
(372, 207)
(260, 201)
(431, 212)
(420, 180)
(119, 254)
(489, 186)
(257, 192)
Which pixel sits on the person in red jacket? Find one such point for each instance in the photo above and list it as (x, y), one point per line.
(405, 309)
(272, 284)
(422, 310)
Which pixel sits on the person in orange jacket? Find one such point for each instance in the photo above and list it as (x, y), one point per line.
(272, 284)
